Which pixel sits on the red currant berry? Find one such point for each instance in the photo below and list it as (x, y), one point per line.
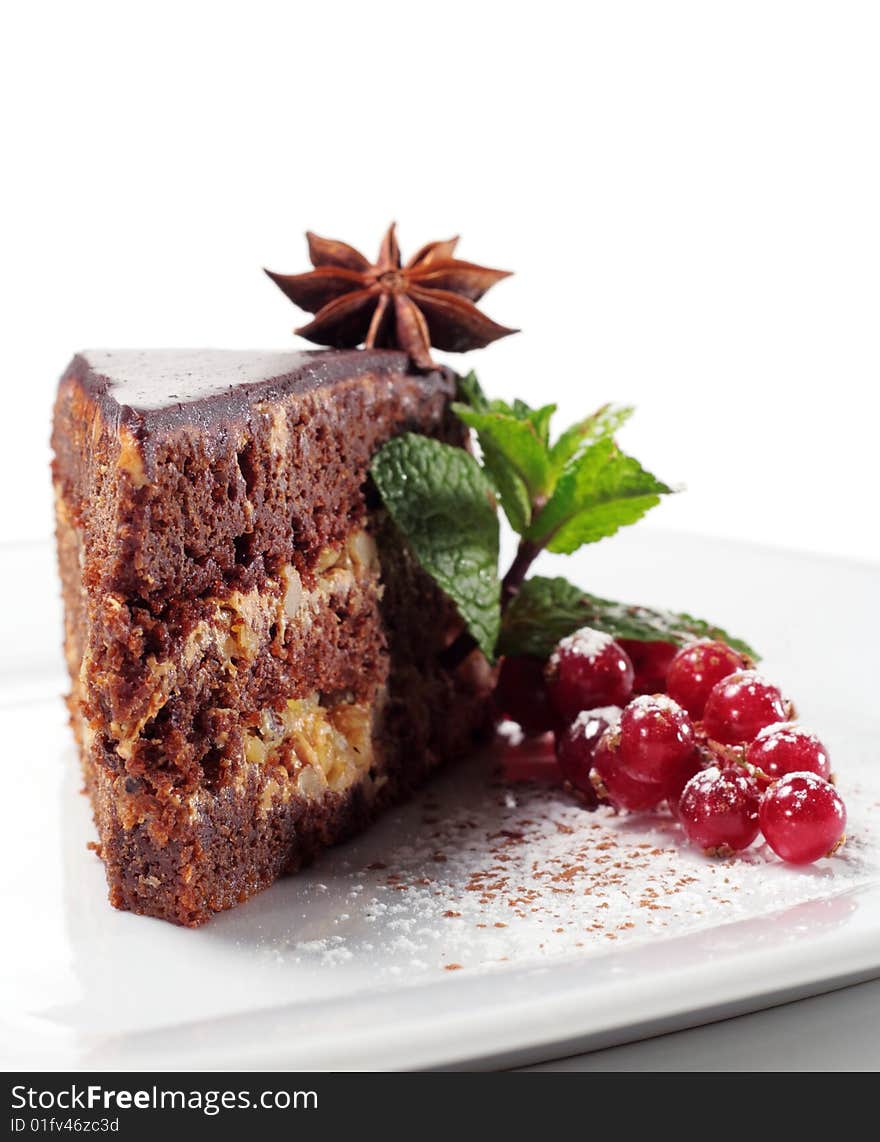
(786, 748)
(741, 705)
(656, 735)
(803, 818)
(696, 668)
(650, 663)
(522, 696)
(719, 810)
(613, 785)
(576, 746)
(586, 670)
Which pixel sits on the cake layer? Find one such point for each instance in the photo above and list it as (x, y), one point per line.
(312, 777)
(187, 470)
(147, 682)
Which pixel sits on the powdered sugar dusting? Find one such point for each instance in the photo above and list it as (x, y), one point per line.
(751, 679)
(585, 643)
(609, 714)
(479, 873)
(704, 779)
(786, 731)
(652, 702)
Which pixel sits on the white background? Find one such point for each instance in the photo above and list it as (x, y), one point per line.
(689, 194)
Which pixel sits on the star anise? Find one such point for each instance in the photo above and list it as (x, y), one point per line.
(428, 301)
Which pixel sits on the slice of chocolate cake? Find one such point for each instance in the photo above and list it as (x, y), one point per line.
(253, 655)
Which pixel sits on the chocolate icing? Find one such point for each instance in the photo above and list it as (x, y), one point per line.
(152, 389)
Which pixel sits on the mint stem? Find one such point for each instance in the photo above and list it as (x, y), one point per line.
(526, 554)
(465, 643)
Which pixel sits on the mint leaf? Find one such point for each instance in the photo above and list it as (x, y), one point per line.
(516, 456)
(442, 502)
(470, 391)
(546, 610)
(539, 418)
(512, 491)
(516, 439)
(604, 422)
(599, 492)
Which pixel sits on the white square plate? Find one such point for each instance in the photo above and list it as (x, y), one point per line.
(480, 924)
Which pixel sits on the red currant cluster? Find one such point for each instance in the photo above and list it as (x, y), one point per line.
(705, 733)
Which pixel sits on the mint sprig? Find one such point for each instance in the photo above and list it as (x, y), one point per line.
(578, 490)
(557, 495)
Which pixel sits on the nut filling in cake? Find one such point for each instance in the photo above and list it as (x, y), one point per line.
(254, 656)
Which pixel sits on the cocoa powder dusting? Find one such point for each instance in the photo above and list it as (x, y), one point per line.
(535, 876)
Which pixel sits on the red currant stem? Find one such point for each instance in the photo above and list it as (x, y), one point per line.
(754, 771)
(735, 754)
(464, 643)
